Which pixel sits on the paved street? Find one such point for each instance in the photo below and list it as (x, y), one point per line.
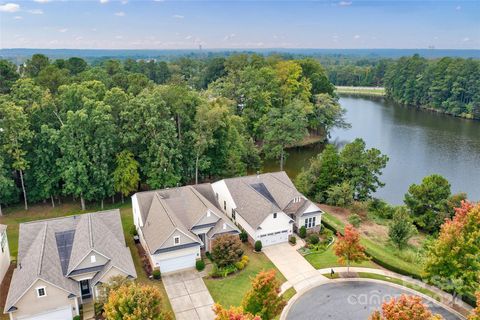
(188, 296)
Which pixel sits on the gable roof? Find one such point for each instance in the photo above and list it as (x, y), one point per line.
(258, 196)
(50, 249)
(177, 209)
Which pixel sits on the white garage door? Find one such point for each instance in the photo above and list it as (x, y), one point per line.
(178, 263)
(64, 313)
(274, 238)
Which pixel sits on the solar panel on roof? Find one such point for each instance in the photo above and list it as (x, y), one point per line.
(262, 189)
(64, 246)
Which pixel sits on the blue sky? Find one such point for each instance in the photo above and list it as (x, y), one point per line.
(150, 24)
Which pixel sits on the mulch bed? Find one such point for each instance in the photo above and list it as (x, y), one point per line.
(145, 261)
(5, 285)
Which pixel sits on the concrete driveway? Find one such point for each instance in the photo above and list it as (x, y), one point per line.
(188, 296)
(299, 273)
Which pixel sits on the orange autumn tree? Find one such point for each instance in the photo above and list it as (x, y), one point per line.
(348, 248)
(263, 299)
(476, 312)
(234, 313)
(404, 308)
(452, 261)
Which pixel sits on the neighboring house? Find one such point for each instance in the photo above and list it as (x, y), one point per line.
(4, 253)
(62, 261)
(267, 206)
(174, 225)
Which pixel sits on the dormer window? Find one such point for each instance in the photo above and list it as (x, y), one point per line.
(41, 292)
(176, 240)
(93, 258)
(275, 215)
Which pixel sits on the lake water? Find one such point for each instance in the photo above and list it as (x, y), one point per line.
(418, 143)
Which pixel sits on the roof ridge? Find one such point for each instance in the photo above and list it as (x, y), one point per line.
(273, 176)
(39, 267)
(166, 210)
(273, 203)
(90, 233)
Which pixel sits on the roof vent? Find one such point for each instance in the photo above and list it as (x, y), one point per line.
(224, 226)
(258, 174)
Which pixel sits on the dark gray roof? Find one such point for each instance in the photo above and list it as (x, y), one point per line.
(48, 249)
(258, 196)
(177, 209)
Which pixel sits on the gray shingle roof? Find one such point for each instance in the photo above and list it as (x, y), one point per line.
(164, 211)
(39, 257)
(258, 196)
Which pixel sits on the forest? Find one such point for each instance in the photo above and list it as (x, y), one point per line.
(95, 131)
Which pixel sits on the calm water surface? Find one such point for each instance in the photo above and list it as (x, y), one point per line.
(417, 142)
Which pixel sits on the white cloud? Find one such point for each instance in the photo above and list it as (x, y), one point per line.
(229, 36)
(36, 11)
(118, 37)
(158, 0)
(188, 37)
(9, 7)
(78, 38)
(177, 16)
(120, 14)
(41, 1)
(63, 30)
(466, 39)
(356, 36)
(458, 8)
(124, 1)
(18, 17)
(103, 1)
(345, 3)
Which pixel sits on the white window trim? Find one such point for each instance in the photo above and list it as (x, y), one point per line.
(175, 243)
(37, 289)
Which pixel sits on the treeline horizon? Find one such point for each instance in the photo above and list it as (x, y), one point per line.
(68, 128)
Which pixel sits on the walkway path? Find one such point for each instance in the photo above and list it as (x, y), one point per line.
(299, 273)
(188, 295)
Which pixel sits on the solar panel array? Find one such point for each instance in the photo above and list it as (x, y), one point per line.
(262, 189)
(64, 245)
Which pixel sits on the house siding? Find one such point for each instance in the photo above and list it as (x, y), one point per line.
(4, 256)
(30, 304)
(100, 260)
(156, 258)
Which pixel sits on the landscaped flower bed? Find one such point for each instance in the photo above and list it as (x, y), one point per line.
(317, 242)
(222, 272)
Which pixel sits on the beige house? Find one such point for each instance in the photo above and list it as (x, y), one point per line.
(4, 253)
(61, 263)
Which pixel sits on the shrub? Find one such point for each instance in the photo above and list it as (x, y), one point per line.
(355, 220)
(401, 228)
(381, 209)
(340, 195)
(326, 232)
(243, 236)
(239, 265)
(302, 232)
(226, 250)
(76, 318)
(314, 239)
(133, 230)
(209, 255)
(245, 259)
(292, 240)
(359, 208)
(200, 265)
(218, 272)
(258, 245)
(156, 273)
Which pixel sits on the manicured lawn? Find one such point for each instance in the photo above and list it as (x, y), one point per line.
(230, 291)
(328, 259)
(399, 282)
(14, 216)
(329, 275)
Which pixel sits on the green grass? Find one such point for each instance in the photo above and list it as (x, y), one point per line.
(329, 275)
(287, 295)
(230, 291)
(14, 216)
(380, 250)
(328, 259)
(399, 282)
(361, 91)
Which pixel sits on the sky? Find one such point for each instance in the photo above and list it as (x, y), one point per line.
(164, 24)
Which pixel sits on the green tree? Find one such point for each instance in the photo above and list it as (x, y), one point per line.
(226, 250)
(8, 76)
(52, 77)
(264, 298)
(36, 64)
(340, 194)
(313, 71)
(285, 128)
(326, 115)
(76, 65)
(401, 228)
(15, 135)
(8, 190)
(428, 202)
(125, 176)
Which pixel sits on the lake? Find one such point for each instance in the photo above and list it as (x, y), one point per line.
(418, 143)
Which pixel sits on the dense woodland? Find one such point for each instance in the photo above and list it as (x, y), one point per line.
(68, 128)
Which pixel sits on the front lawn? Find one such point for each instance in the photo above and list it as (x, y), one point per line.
(229, 291)
(328, 259)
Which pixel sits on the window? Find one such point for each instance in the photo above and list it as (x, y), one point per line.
(310, 222)
(41, 292)
(93, 259)
(313, 222)
(306, 223)
(3, 241)
(176, 240)
(224, 205)
(275, 215)
(233, 214)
